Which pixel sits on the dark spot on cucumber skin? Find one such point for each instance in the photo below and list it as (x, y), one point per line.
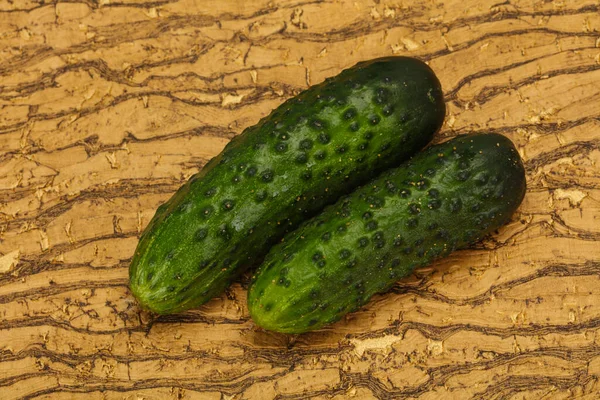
(306, 175)
(398, 242)
(367, 215)
(432, 226)
(368, 135)
(407, 250)
(284, 282)
(384, 147)
(404, 117)
(363, 146)
(462, 176)
(236, 179)
(395, 262)
(404, 193)
(433, 193)
(321, 263)
(381, 95)
(434, 204)
(185, 208)
(476, 207)
(372, 225)
(324, 138)
(268, 307)
(207, 211)
(435, 252)
(374, 120)
(463, 164)
(443, 234)
(345, 254)
(171, 288)
(312, 322)
(306, 144)
(388, 110)
(201, 234)
(228, 205)
(422, 184)
(341, 229)
(455, 205)
(341, 149)
(317, 256)
(420, 253)
(326, 172)
(375, 202)
(414, 209)
(350, 113)
(320, 155)
(281, 147)
(326, 236)
(267, 175)
(203, 264)
(391, 187)
(224, 232)
(149, 276)
(412, 222)
(301, 158)
(354, 126)
(317, 124)
(251, 171)
(210, 192)
(260, 196)
(419, 242)
(363, 242)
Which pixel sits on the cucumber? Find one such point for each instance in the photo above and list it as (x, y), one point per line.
(308, 152)
(445, 198)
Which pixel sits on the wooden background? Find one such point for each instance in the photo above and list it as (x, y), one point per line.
(107, 106)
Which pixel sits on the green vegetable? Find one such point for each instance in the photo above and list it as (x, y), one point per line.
(445, 198)
(304, 155)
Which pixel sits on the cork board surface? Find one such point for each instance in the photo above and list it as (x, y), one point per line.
(108, 106)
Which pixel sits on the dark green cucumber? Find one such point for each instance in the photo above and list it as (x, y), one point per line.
(304, 155)
(446, 197)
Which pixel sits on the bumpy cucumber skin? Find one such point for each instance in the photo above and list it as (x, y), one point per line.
(309, 151)
(446, 197)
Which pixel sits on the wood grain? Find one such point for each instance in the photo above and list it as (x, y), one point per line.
(108, 106)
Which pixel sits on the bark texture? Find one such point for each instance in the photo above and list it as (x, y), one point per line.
(108, 106)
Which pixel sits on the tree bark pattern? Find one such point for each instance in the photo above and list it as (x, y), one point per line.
(108, 106)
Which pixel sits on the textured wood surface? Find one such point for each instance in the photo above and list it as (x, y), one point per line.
(107, 106)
